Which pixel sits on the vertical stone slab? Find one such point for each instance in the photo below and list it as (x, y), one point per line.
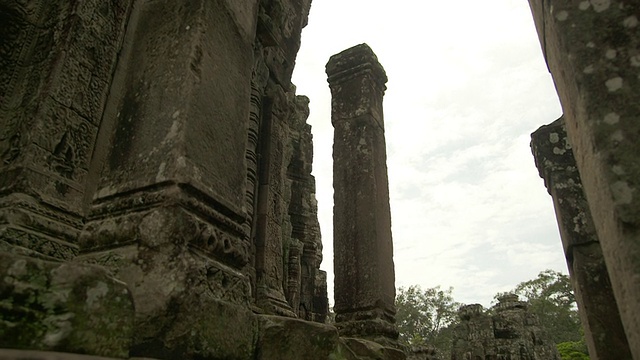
(596, 303)
(56, 65)
(278, 39)
(170, 215)
(591, 49)
(363, 249)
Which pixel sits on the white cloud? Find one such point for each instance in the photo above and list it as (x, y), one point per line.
(467, 85)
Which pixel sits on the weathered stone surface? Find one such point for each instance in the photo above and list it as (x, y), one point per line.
(363, 249)
(56, 61)
(366, 349)
(509, 333)
(186, 302)
(591, 49)
(285, 338)
(162, 141)
(64, 307)
(596, 303)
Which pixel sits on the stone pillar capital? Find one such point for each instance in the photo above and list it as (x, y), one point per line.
(357, 82)
(357, 61)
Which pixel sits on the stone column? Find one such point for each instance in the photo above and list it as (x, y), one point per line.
(362, 244)
(596, 303)
(591, 49)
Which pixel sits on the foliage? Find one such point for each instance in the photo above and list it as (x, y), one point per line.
(572, 350)
(551, 298)
(424, 316)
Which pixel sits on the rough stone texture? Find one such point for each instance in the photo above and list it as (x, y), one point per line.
(286, 338)
(363, 249)
(591, 49)
(604, 334)
(164, 142)
(63, 307)
(56, 61)
(510, 333)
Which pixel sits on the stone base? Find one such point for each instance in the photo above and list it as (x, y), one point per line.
(366, 349)
(63, 306)
(30, 228)
(187, 303)
(377, 330)
(286, 338)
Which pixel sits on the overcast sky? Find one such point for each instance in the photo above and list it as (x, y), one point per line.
(467, 85)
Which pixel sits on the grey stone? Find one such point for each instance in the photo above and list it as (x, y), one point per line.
(591, 51)
(598, 310)
(363, 248)
(69, 307)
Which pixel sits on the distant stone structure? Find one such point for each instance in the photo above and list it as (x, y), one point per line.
(596, 303)
(156, 196)
(591, 50)
(509, 333)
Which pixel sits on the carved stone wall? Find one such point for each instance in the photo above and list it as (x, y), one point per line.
(162, 142)
(510, 333)
(56, 64)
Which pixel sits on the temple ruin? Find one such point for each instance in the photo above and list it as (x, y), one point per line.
(510, 332)
(589, 161)
(156, 191)
(157, 202)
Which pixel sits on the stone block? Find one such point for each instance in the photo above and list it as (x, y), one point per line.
(11, 354)
(286, 338)
(69, 307)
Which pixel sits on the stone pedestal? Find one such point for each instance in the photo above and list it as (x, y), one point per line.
(596, 303)
(591, 50)
(362, 244)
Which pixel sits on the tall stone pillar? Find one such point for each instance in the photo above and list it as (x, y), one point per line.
(596, 303)
(591, 49)
(362, 244)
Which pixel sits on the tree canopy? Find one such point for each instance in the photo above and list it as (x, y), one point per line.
(424, 315)
(551, 298)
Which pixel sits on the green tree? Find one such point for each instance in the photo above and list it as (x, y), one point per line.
(424, 317)
(571, 350)
(551, 298)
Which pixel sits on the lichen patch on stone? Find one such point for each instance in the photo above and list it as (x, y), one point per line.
(622, 192)
(614, 84)
(562, 15)
(630, 22)
(600, 5)
(611, 118)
